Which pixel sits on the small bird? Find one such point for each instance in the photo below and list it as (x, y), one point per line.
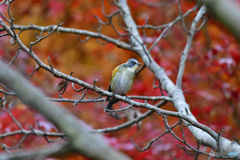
(121, 82)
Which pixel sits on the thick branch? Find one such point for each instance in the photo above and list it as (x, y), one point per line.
(177, 94)
(80, 139)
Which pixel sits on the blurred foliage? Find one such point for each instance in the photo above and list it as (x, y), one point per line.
(210, 82)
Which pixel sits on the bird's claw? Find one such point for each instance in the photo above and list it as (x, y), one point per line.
(113, 94)
(126, 97)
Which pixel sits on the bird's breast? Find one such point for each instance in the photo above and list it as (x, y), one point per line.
(122, 82)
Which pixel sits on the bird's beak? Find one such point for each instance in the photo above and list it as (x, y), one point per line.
(139, 64)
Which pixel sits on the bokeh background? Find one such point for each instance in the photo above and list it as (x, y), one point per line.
(210, 82)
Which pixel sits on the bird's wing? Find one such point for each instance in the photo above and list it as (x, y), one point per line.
(113, 74)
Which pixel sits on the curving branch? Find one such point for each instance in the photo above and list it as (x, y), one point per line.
(155, 139)
(118, 43)
(167, 27)
(41, 38)
(14, 58)
(178, 18)
(129, 123)
(159, 4)
(32, 132)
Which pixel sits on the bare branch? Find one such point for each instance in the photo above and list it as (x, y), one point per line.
(159, 37)
(8, 20)
(200, 14)
(7, 92)
(11, 19)
(140, 69)
(83, 96)
(160, 4)
(171, 23)
(36, 69)
(94, 98)
(19, 50)
(102, 43)
(153, 140)
(118, 110)
(99, 99)
(14, 119)
(41, 38)
(32, 132)
(3, 35)
(129, 123)
(77, 101)
(75, 31)
(49, 63)
(77, 90)
(84, 40)
(181, 15)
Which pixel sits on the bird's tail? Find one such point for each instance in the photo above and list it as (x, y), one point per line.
(109, 107)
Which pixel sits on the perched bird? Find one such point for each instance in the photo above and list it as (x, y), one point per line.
(121, 82)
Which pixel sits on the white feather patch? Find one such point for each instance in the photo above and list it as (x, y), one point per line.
(133, 68)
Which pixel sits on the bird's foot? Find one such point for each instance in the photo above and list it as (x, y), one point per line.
(113, 94)
(127, 98)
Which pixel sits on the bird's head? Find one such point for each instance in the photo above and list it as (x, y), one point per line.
(132, 64)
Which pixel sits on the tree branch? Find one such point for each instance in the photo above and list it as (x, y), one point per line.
(118, 43)
(178, 98)
(203, 135)
(78, 136)
(200, 14)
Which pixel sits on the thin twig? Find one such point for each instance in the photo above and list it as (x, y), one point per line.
(13, 118)
(19, 50)
(41, 38)
(77, 90)
(181, 15)
(153, 140)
